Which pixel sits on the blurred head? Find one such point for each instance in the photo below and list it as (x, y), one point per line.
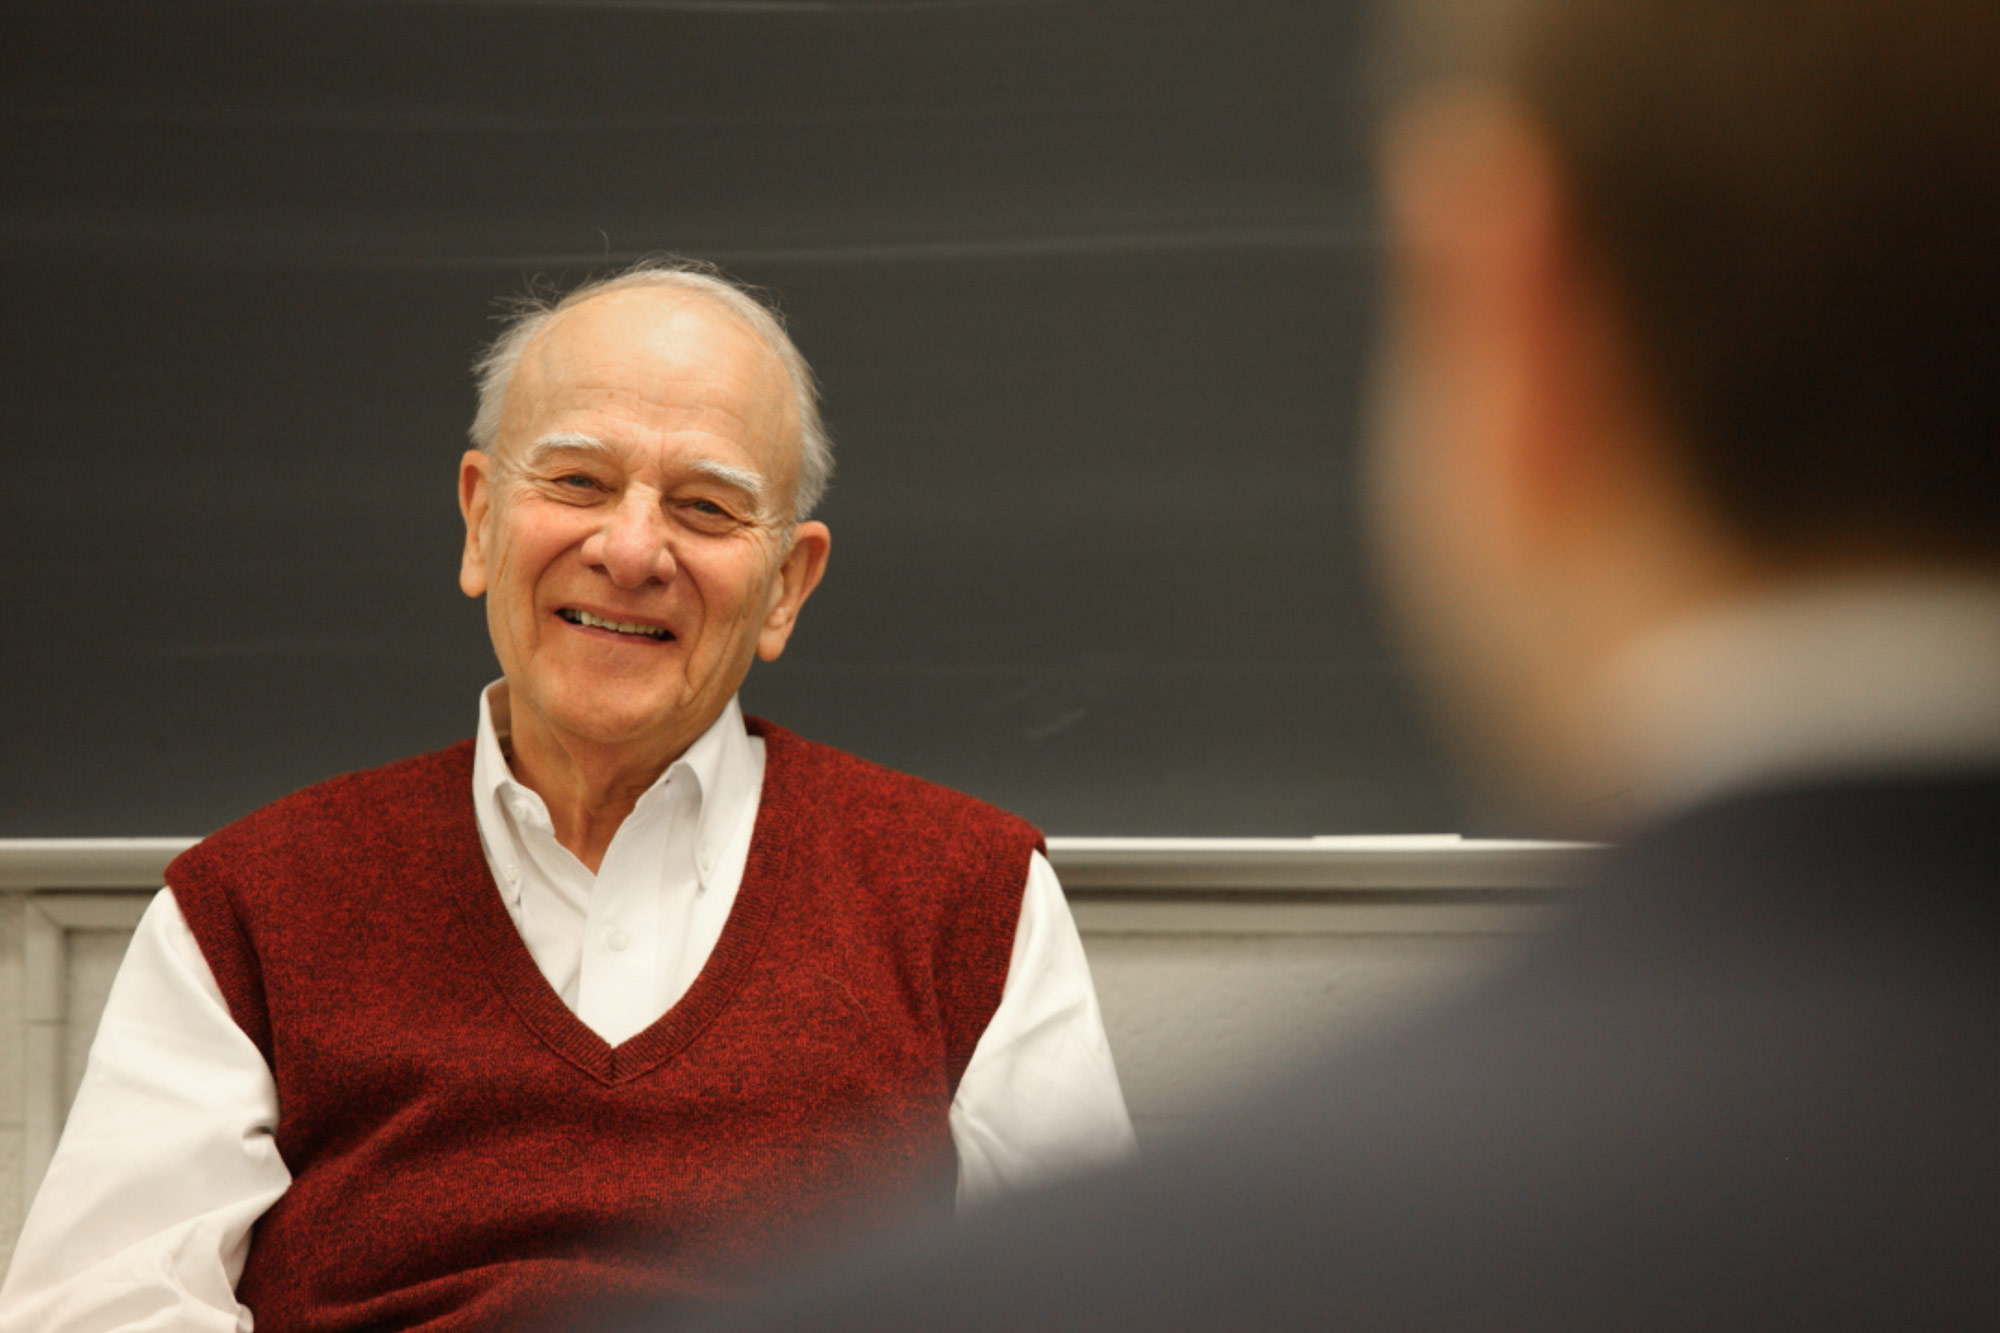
(633, 519)
(1689, 296)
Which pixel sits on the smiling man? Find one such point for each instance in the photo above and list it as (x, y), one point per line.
(625, 994)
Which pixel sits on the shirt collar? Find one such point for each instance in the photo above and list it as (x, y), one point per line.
(1839, 678)
(720, 770)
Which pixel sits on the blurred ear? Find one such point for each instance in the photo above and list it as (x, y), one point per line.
(804, 565)
(1472, 192)
(1497, 277)
(475, 501)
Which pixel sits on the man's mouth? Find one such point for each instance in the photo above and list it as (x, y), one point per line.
(586, 619)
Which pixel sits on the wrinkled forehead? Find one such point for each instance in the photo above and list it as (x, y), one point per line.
(659, 354)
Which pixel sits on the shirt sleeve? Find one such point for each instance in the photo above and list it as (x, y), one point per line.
(167, 1159)
(1040, 1097)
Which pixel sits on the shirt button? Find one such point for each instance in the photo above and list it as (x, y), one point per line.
(513, 876)
(617, 939)
(704, 861)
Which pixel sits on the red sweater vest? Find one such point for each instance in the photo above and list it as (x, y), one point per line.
(466, 1154)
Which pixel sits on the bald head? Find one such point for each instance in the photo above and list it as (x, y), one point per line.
(625, 349)
(674, 313)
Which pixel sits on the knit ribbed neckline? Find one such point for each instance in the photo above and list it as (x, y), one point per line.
(773, 847)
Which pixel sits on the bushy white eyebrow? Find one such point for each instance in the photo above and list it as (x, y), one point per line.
(565, 442)
(742, 478)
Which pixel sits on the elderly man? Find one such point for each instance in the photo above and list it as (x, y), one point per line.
(1689, 488)
(624, 994)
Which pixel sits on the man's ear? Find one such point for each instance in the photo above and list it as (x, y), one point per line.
(1491, 278)
(804, 565)
(475, 504)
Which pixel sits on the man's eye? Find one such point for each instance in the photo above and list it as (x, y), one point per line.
(709, 513)
(578, 481)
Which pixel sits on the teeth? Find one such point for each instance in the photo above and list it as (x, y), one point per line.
(599, 622)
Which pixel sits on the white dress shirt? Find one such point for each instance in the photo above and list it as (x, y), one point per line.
(169, 1154)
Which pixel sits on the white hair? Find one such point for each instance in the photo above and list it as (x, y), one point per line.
(494, 369)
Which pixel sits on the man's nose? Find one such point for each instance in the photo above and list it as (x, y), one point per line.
(633, 547)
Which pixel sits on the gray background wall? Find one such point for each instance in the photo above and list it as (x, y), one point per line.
(1090, 287)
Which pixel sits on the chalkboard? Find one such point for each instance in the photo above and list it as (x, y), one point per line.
(1090, 288)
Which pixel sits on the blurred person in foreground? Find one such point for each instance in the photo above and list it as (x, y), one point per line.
(626, 993)
(1686, 485)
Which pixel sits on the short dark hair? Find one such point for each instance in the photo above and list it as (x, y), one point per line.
(1800, 203)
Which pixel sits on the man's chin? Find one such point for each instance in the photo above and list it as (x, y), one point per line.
(639, 731)
(645, 727)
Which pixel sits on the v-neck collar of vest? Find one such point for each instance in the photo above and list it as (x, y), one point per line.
(773, 847)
